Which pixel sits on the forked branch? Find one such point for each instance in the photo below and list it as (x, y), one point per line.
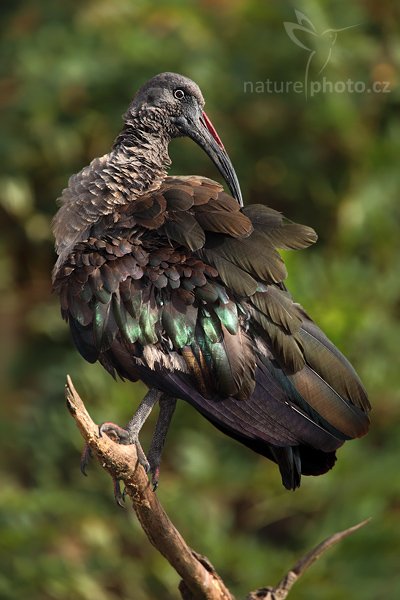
(200, 581)
(285, 585)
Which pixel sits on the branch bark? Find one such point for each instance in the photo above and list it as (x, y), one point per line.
(285, 585)
(200, 581)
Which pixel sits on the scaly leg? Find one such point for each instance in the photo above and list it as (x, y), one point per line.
(167, 408)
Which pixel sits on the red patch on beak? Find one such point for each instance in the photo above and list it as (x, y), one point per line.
(212, 130)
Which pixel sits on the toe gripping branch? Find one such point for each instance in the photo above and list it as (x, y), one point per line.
(130, 435)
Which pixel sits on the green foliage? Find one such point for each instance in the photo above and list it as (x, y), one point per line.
(67, 74)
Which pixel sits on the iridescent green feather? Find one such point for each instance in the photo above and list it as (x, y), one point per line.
(101, 313)
(127, 325)
(177, 328)
(211, 326)
(147, 320)
(227, 314)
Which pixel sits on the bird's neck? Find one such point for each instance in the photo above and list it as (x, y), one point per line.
(141, 155)
(137, 164)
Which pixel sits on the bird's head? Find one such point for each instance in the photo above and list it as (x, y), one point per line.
(172, 105)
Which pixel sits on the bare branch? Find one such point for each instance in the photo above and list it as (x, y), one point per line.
(199, 578)
(282, 590)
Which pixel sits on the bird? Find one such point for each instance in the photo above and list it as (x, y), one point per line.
(171, 280)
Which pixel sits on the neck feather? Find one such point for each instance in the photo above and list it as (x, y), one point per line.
(137, 164)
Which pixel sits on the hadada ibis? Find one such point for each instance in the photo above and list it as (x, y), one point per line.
(170, 280)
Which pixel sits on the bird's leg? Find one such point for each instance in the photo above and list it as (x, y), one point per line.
(167, 408)
(130, 433)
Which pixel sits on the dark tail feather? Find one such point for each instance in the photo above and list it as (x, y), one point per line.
(289, 462)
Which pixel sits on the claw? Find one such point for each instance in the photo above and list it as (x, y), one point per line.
(142, 459)
(155, 478)
(86, 457)
(118, 495)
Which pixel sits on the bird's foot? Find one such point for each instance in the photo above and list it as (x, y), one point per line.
(115, 432)
(154, 471)
(155, 478)
(125, 436)
(130, 435)
(86, 458)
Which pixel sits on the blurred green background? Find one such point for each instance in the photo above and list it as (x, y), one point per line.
(68, 71)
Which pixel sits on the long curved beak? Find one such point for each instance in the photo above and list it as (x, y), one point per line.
(204, 134)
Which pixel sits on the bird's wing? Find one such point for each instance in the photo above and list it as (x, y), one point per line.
(185, 290)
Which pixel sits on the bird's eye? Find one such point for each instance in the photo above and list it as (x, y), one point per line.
(179, 94)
